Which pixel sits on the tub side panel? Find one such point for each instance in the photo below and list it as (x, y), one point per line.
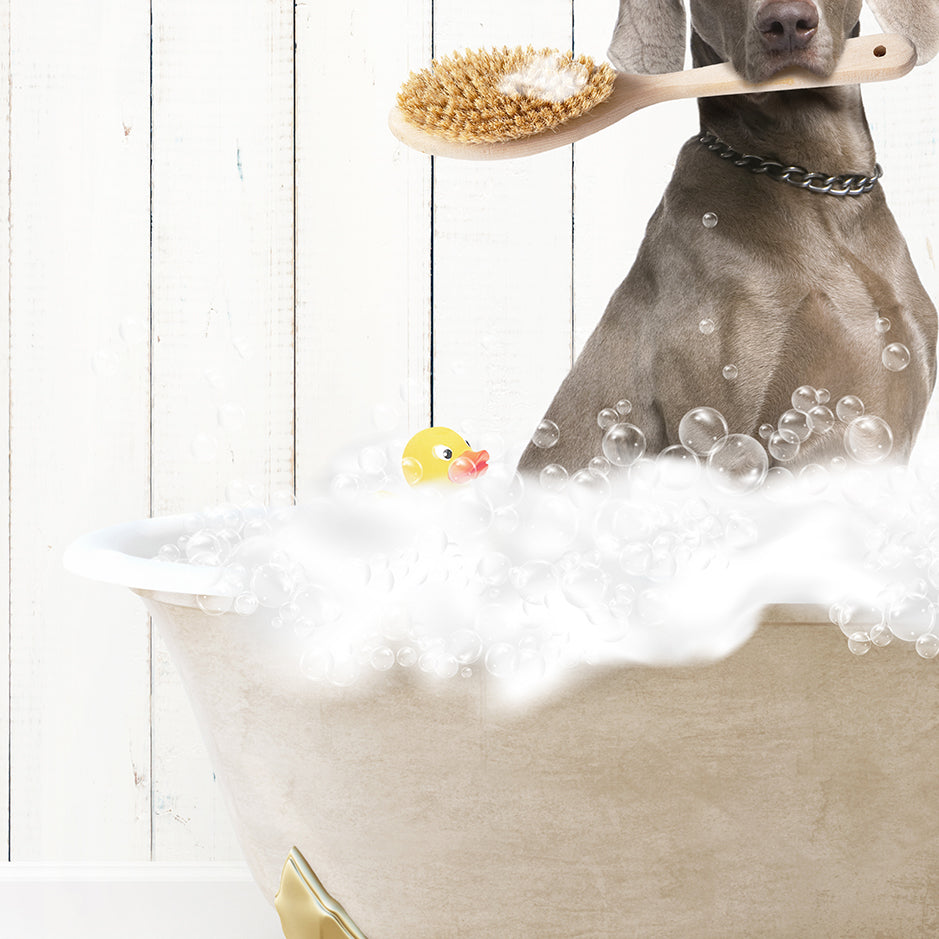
(786, 787)
(223, 312)
(79, 434)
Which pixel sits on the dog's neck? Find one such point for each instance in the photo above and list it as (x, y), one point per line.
(820, 129)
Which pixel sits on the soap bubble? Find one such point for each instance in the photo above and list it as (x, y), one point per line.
(783, 446)
(493, 568)
(446, 666)
(804, 398)
(880, 634)
(679, 467)
(882, 325)
(624, 444)
(553, 477)
(205, 547)
(316, 662)
(739, 463)
(588, 488)
(465, 646)
(546, 435)
(534, 580)
(895, 357)
(706, 326)
(246, 603)
(607, 418)
(316, 604)
(766, 431)
(634, 558)
(382, 658)
(729, 372)
(501, 660)
(413, 472)
(170, 553)
(343, 671)
(848, 408)
(624, 407)
(599, 466)
(709, 219)
(213, 606)
(927, 645)
(821, 419)
(796, 422)
(372, 460)
(853, 617)
(814, 478)
(778, 482)
(584, 586)
(859, 643)
(406, 656)
(824, 395)
(868, 439)
(272, 585)
(911, 617)
(700, 429)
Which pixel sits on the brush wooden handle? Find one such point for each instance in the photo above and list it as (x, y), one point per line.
(865, 59)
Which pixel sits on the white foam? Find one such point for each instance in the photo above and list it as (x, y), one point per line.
(549, 77)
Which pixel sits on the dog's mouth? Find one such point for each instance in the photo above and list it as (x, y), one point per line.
(771, 64)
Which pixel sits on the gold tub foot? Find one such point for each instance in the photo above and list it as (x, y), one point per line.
(306, 910)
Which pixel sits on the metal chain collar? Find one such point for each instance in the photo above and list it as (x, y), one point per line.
(847, 184)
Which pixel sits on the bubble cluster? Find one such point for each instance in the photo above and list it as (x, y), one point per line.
(521, 579)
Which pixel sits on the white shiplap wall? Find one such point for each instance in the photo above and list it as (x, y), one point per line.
(168, 262)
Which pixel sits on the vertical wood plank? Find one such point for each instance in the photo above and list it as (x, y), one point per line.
(903, 117)
(363, 229)
(502, 256)
(5, 46)
(79, 438)
(223, 320)
(619, 177)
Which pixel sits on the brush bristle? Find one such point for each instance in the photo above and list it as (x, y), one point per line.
(502, 94)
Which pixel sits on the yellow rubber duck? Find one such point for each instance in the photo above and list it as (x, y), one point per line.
(438, 454)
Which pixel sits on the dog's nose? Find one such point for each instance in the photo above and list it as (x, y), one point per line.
(786, 25)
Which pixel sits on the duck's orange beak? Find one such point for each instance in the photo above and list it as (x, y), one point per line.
(468, 465)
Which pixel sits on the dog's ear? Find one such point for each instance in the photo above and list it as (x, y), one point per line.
(650, 36)
(918, 20)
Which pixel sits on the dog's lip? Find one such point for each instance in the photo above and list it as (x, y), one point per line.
(771, 64)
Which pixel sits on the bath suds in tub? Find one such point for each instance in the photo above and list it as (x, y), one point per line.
(630, 559)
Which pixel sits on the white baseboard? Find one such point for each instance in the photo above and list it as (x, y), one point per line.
(146, 901)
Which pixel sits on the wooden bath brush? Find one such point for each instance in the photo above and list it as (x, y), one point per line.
(512, 103)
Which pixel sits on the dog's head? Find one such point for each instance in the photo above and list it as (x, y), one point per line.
(760, 37)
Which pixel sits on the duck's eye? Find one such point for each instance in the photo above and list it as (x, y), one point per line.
(442, 452)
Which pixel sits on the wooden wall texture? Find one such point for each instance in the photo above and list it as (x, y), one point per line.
(216, 262)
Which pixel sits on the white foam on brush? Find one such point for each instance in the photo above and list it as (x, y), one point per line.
(548, 77)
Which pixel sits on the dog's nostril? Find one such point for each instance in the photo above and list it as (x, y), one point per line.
(787, 24)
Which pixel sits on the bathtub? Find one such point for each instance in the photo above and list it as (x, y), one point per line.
(788, 790)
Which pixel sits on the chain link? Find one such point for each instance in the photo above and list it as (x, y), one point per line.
(847, 184)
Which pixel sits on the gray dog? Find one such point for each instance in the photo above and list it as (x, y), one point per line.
(787, 286)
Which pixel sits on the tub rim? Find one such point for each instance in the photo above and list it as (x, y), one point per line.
(124, 555)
